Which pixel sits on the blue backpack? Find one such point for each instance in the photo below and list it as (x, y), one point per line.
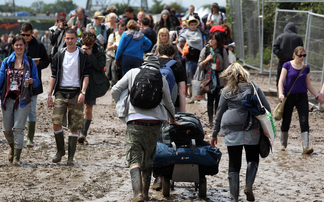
(167, 72)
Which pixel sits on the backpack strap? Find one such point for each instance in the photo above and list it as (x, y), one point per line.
(171, 63)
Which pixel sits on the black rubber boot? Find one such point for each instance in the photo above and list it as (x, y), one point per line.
(83, 134)
(71, 150)
(252, 168)
(210, 115)
(11, 152)
(16, 158)
(30, 133)
(60, 147)
(136, 177)
(157, 184)
(234, 185)
(146, 180)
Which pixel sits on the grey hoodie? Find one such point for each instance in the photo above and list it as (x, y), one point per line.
(232, 116)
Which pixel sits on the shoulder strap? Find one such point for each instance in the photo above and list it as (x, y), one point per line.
(297, 78)
(74, 20)
(171, 63)
(127, 44)
(256, 93)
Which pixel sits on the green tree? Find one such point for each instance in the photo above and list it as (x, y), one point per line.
(38, 6)
(121, 8)
(177, 7)
(157, 7)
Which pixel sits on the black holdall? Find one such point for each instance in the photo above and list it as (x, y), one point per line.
(264, 145)
(146, 92)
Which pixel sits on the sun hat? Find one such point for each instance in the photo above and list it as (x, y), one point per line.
(191, 18)
(98, 14)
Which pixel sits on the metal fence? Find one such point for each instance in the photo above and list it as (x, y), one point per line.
(310, 27)
(246, 31)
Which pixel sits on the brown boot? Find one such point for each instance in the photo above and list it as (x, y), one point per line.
(11, 152)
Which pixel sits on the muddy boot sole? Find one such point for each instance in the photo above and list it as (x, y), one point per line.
(157, 185)
(249, 194)
(308, 150)
(81, 139)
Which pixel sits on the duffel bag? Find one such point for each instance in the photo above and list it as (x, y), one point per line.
(205, 156)
(190, 128)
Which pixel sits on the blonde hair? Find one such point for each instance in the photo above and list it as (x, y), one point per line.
(159, 42)
(298, 49)
(109, 16)
(132, 25)
(235, 74)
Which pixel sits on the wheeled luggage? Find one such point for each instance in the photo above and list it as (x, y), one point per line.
(186, 164)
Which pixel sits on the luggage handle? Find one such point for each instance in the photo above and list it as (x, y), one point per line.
(193, 143)
(174, 146)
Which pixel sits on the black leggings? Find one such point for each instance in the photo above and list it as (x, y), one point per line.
(235, 156)
(301, 103)
(213, 97)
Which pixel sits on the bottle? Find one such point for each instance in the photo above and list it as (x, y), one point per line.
(26, 84)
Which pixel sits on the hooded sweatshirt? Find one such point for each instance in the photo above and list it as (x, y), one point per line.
(133, 43)
(193, 38)
(286, 42)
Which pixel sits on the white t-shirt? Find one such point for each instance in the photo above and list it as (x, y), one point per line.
(71, 76)
(115, 40)
(216, 20)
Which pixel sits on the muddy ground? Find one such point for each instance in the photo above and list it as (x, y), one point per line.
(101, 172)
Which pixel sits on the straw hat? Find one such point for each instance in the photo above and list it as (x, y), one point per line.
(98, 14)
(191, 18)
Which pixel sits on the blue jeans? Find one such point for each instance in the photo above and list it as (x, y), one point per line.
(191, 67)
(129, 62)
(15, 120)
(32, 113)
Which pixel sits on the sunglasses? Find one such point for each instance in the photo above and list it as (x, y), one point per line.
(25, 34)
(302, 55)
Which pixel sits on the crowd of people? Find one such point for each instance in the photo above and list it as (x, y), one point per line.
(88, 56)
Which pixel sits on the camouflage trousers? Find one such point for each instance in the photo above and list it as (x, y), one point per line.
(141, 145)
(63, 106)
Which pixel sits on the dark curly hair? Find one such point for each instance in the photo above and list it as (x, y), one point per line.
(166, 49)
(88, 38)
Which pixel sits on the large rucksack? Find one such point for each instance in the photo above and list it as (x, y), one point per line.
(181, 135)
(167, 72)
(146, 92)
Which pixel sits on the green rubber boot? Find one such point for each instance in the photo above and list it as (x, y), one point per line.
(11, 152)
(59, 138)
(16, 158)
(71, 150)
(136, 177)
(30, 133)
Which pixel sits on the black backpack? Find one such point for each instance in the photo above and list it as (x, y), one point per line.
(181, 135)
(146, 92)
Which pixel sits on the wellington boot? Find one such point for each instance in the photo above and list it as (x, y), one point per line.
(252, 168)
(146, 180)
(16, 158)
(59, 138)
(11, 152)
(283, 140)
(30, 133)
(234, 185)
(210, 115)
(71, 150)
(136, 177)
(84, 132)
(157, 184)
(306, 148)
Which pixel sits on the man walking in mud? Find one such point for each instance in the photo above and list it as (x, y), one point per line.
(68, 83)
(143, 127)
(285, 45)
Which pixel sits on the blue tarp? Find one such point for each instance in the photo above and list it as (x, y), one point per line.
(22, 13)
